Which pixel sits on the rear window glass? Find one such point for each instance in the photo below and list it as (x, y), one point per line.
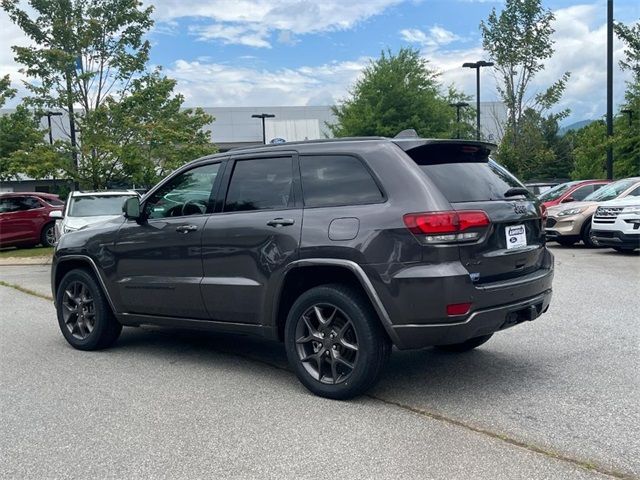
(463, 174)
(337, 180)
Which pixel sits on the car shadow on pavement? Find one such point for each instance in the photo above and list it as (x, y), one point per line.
(433, 372)
(478, 372)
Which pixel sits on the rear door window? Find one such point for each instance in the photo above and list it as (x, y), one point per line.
(260, 184)
(464, 173)
(333, 180)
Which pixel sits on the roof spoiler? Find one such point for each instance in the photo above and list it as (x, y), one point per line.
(407, 144)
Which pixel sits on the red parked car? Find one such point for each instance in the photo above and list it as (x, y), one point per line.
(570, 192)
(24, 218)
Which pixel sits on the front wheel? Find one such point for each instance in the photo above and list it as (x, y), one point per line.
(587, 236)
(465, 346)
(84, 317)
(335, 343)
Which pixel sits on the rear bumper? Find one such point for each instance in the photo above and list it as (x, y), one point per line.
(416, 297)
(481, 322)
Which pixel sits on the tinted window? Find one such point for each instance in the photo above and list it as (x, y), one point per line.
(635, 192)
(464, 172)
(186, 194)
(582, 192)
(260, 184)
(337, 180)
(29, 203)
(9, 205)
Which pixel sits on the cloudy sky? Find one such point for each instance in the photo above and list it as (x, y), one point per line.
(308, 52)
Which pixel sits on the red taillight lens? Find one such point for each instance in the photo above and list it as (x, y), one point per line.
(543, 213)
(431, 223)
(458, 309)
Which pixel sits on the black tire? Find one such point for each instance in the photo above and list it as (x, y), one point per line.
(97, 327)
(465, 346)
(48, 235)
(624, 249)
(588, 241)
(565, 242)
(354, 323)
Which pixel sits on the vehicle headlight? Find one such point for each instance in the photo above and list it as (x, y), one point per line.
(635, 209)
(66, 229)
(570, 211)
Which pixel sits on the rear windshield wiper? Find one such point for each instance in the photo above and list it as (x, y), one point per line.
(512, 192)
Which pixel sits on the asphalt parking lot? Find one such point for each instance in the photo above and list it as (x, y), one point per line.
(555, 398)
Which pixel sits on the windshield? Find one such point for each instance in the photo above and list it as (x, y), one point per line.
(93, 206)
(610, 191)
(556, 192)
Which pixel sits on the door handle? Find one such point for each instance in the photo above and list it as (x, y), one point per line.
(281, 222)
(186, 228)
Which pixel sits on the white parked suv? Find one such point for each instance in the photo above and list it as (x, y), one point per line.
(617, 223)
(88, 208)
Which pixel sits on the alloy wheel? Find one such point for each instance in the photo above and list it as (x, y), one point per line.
(326, 343)
(78, 310)
(50, 237)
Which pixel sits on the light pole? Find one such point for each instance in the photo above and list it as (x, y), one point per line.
(458, 106)
(609, 88)
(50, 114)
(477, 65)
(263, 116)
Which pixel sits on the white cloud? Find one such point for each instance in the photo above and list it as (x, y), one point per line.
(251, 35)
(213, 84)
(436, 36)
(229, 19)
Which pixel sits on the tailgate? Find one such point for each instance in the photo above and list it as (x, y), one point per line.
(512, 244)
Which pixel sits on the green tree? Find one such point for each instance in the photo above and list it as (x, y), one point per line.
(590, 151)
(22, 146)
(518, 39)
(398, 92)
(92, 54)
(627, 128)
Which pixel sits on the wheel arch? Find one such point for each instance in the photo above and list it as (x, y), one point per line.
(67, 263)
(303, 275)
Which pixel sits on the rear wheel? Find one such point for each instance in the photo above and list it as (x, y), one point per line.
(624, 249)
(465, 346)
(334, 342)
(48, 235)
(84, 317)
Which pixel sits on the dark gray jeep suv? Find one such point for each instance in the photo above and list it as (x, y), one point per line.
(340, 248)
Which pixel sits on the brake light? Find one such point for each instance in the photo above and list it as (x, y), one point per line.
(450, 226)
(543, 214)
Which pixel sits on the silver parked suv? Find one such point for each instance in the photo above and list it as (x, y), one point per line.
(339, 248)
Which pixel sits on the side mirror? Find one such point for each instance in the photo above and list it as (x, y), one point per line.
(55, 214)
(131, 208)
(568, 199)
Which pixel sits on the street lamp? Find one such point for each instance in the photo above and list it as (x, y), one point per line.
(477, 65)
(263, 116)
(458, 106)
(50, 114)
(629, 113)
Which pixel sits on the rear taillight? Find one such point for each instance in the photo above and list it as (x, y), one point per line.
(446, 227)
(543, 214)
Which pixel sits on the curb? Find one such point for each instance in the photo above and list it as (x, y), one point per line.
(17, 261)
